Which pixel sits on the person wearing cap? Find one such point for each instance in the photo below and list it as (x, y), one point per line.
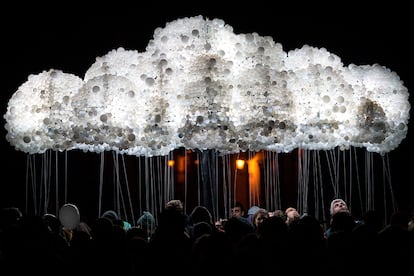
(116, 220)
(146, 222)
(111, 215)
(250, 213)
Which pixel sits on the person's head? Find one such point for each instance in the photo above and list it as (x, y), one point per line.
(338, 205)
(278, 213)
(52, 222)
(250, 213)
(111, 215)
(237, 210)
(291, 215)
(201, 214)
(9, 216)
(260, 216)
(175, 204)
(147, 223)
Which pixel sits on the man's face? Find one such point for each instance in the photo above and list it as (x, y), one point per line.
(340, 206)
(236, 212)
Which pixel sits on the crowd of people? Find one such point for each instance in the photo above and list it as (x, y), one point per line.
(249, 242)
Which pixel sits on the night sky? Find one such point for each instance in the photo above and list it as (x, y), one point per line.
(70, 39)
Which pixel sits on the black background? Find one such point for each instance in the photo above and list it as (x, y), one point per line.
(71, 36)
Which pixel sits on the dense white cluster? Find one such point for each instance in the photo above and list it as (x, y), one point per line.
(200, 86)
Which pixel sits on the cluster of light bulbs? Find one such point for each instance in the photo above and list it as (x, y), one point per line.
(199, 85)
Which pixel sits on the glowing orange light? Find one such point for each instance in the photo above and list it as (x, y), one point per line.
(240, 164)
(171, 163)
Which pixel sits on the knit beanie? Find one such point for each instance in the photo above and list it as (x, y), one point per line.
(110, 214)
(146, 220)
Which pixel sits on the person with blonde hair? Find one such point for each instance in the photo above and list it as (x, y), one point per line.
(291, 214)
(175, 204)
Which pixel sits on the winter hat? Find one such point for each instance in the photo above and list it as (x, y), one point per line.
(52, 222)
(146, 220)
(110, 214)
(69, 216)
(253, 210)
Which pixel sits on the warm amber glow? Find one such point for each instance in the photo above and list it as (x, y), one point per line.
(171, 163)
(254, 178)
(240, 164)
(180, 168)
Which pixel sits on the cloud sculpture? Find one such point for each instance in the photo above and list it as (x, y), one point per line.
(198, 85)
